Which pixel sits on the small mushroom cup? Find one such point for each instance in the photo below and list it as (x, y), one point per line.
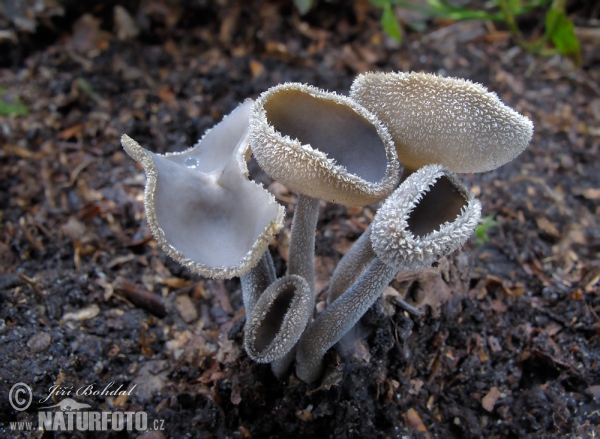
(202, 209)
(325, 147)
(430, 215)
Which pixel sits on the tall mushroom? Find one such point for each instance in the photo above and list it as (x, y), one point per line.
(202, 209)
(430, 215)
(325, 147)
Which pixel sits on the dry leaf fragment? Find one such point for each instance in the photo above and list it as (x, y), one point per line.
(306, 414)
(236, 395)
(413, 421)
(186, 308)
(175, 282)
(124, 24)
(83, 314)
(546, 226)
(489, 401)
(591, 193)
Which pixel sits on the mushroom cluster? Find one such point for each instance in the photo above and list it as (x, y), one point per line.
(398, 138)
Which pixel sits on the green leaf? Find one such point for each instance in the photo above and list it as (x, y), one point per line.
(303, 6)
(486, 223)
(560, 31)
(12, 106)
(380, 3)
(390, 24)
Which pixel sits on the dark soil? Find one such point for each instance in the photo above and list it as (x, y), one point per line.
(509, 345)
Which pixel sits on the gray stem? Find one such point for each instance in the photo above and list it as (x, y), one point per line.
(301, 259)
(302, 239)
(280, 366)
(257, 280)
(339, 317)
(352, 265)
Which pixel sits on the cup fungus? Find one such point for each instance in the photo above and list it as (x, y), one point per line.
(207, 215)
(202, 209)
(432, 119)
(450, 121)
(325, 147)
(276, 323)
(430, 215)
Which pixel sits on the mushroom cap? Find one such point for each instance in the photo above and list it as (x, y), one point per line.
(278, 319)
(323, 145)
(429, 216)
(202, 209)
(450, 121)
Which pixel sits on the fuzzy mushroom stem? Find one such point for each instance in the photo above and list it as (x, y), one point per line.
(302, 239)
(301, 260)
(351, 266)
(257, 280)
(339, 318)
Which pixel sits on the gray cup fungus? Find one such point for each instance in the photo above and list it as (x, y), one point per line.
(206, 214)
(278, 319)
(453, 122)
(429, 216)
(323, 145)
(202, 209)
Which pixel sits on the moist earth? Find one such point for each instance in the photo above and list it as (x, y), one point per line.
(508, 345)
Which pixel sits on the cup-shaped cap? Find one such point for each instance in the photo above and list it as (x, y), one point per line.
(200, 205)
(323, 145)
(430, 215)
(278, 319)
(449, 121)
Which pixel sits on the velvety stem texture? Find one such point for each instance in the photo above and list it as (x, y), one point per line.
(351, 266)
(257, 280)
(339, 317)
(280, 366)
(302, 239)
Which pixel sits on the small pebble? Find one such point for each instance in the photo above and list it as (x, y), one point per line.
(39, 342)
(186, 308)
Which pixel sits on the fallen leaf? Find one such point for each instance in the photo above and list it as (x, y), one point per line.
(489, 401)
(83, 314)
(413, 421)
(546, 226)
